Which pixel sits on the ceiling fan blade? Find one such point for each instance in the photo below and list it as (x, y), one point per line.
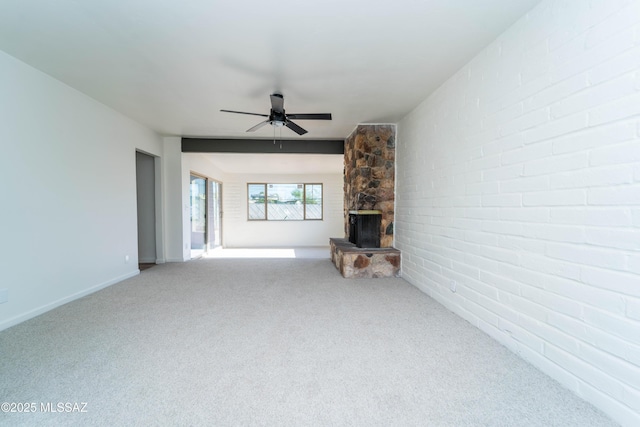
(277, 103)
(319, 116)
(242, 112)
(294, 127)
(258, 126)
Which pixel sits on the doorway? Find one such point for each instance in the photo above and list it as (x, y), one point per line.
(146, 204)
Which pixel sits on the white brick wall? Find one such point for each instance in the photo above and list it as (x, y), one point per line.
(519, 178)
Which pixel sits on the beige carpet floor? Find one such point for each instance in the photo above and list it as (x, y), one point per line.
(271, 342)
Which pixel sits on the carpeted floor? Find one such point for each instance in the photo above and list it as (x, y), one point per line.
(273, 342)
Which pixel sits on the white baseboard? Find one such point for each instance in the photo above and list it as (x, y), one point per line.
(147, 260)
(47, 307)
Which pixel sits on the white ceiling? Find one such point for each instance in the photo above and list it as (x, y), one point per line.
(281, 164)
(172, 65)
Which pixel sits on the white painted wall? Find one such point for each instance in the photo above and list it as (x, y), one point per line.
(519, 179)
(68, 185)
(177, 247)
(240, 232)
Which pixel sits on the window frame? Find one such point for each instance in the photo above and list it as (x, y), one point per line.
(304, 201)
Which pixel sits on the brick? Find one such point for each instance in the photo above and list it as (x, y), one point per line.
(556, 128)
(483, 213)
(621, 195)
(523, 154)
(528, 276)
(520, 334)
(618, 110)
(555, 198)
(526, 121)
(525, 214)
(619, 20)
(635, 214)
(610, 301)
(556, 92)
(620, 238)
(632, 398)
(633, 308)
(612, 217)
(483, 188)
(634, 263)
(511, 112)
(522, 244)
(502, 283)
(595, 96)
(526, 307)
(481, 238)
(617, 408)
(615, 66)
(505, 172)
(556, 303)
(584, 370)
(536, 183)
(615, 345)
(559, 163)
(595, 137)
(550, 266)
(500, 254)
(500, 227)
(588, 59)
(501, 200)
(611, 365)
(572, 326)
(558, 233)
(484, 163)
(587, 255)
(592, 177)
(616, 154)
(624, 283)
(507, 143)
(622, 327)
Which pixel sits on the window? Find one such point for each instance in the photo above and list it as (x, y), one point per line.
(284, 202)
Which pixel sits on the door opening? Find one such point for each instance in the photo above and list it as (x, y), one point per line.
(146, 203)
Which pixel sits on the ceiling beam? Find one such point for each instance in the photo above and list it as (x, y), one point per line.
(298, 146)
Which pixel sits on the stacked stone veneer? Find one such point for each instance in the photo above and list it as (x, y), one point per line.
(354, 262)
(369, 175)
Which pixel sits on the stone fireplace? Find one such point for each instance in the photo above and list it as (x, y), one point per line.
(369, 194)
(369, 175)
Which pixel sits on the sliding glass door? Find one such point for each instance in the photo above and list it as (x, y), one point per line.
(206, 214)
(198, 197)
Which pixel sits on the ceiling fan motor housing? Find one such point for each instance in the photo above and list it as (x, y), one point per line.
(277, 118)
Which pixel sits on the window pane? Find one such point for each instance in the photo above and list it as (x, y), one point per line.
(284, 201)
(256, 201)
(313, 201)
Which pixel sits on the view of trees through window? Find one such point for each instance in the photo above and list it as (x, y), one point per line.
(285, 202)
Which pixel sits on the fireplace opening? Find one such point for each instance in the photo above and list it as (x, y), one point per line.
(364, 228)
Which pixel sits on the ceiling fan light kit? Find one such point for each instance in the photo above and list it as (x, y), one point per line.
(278, 118)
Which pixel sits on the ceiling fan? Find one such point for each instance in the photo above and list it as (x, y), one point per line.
(277, 117)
